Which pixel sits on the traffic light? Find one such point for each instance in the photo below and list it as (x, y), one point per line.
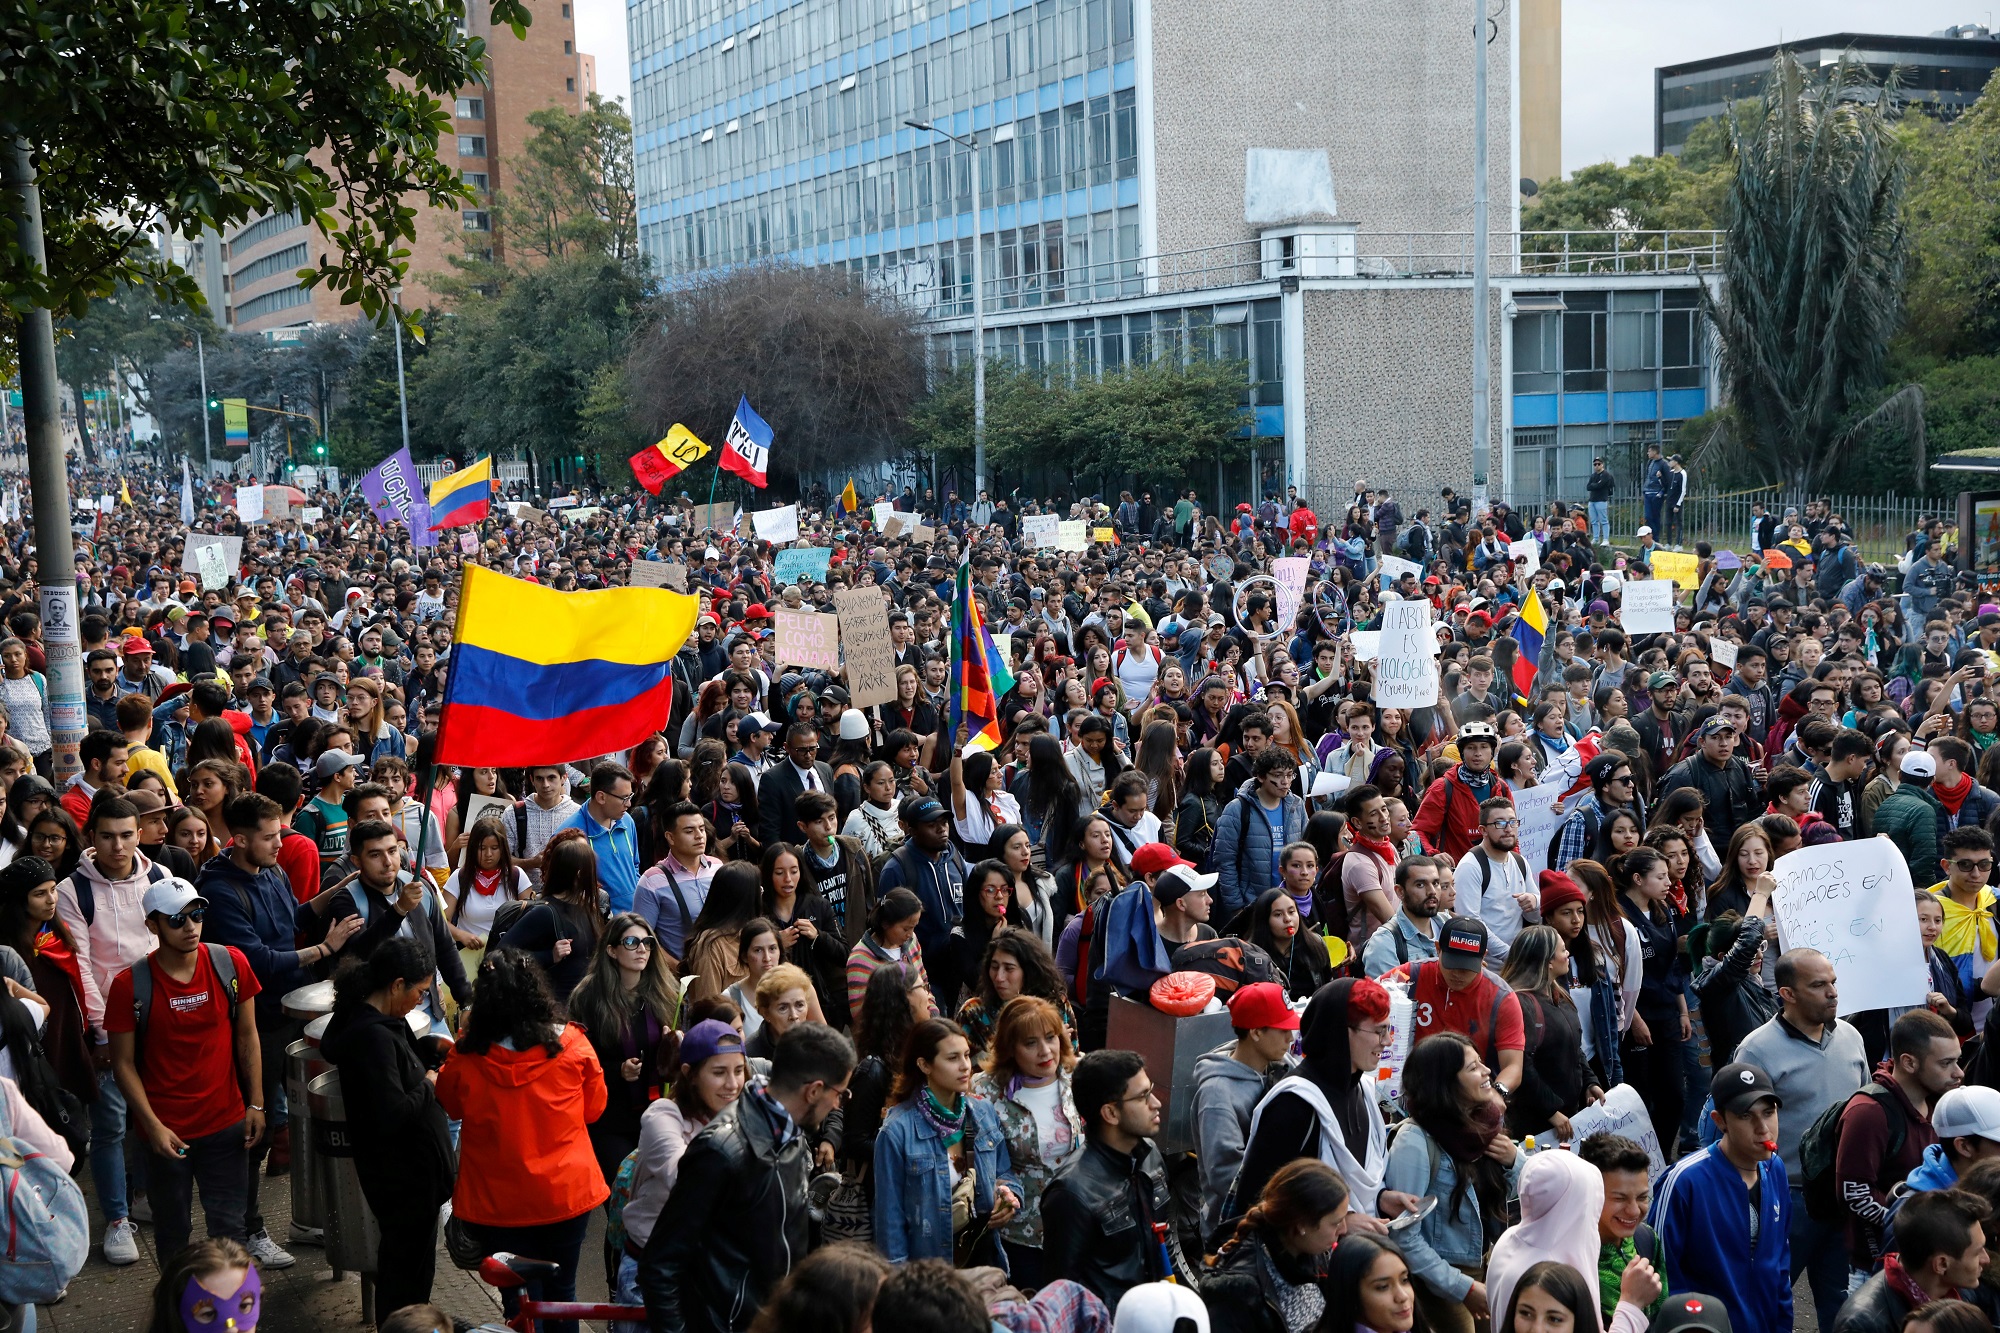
(319, 448)
(579, 460)
(214, 404)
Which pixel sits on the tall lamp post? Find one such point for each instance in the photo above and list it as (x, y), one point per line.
(971, 144)
(402, 390)
(1481, 348)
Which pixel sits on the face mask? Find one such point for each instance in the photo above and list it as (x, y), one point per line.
(204, 1311)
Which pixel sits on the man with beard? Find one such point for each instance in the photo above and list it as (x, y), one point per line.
(1494, 883)
(1411, 937)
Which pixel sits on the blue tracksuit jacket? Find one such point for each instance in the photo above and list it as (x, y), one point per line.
(1702, 1212)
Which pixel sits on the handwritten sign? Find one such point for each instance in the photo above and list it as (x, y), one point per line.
(1406, 674)
(249, 503)
(881, 511)
(1539, 809)
(1040, 531)
(232, 551)
(864, 640)
(659, 574)
(1648, 607)
(1624, 1113)
(214, 570)
(898, 524)
(1072, 534)
(1289, 573)
(777, 525)
(311, 513)
(1723, 653)
(1853, 902)
(803, 562)
(1105, 535)
(809, 639)
(1393, 567)
(1527, 554)
(1680, 566)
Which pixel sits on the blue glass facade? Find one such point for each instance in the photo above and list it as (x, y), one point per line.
(775, 128)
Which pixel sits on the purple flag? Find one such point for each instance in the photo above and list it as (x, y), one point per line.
(393, 489)
(420, 525)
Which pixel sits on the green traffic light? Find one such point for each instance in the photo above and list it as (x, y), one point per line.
(579, 460)
(214, 404)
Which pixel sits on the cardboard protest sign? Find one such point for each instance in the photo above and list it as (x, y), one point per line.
(924, 536)
(898, 524)
(1853, 901)
(1680, 566)
(864, 641)
(659, 574)
(777, 525)
(1406, 674)
(1040, 531)
(232, 551)
(803, 562)
(809, 639)
(1648, 607)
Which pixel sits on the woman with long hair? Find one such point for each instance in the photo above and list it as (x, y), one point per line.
(1092, 850)
(895, 1000)
(1015, 963)
(1617, 833)
(669, 783)
(1582, 907)
(891, 937)
(1672, 842)
(758, 950)
(874, 822)
(712, 959)
(402, 1141)
(212, 784)
(1158, 757)
(53, 836)
(1746, 873)
(32, 928)
(989, 889)
(936, 1134)
(472, 782)
(520, 1075)
(1268, 1276)
(188, 830)
(561, 931)
(733, 816)
(1025, 1077)
(216, 1279)
(1048, 796)
(486, 877)
(831, 1290)
(980, 802)
(807, 931)
(1553, 1297)
(1033, 889)
(375, 738)
(1369, 1289)
(1200, 807)
(1454, 1147)
(1660, 1026)
(27, 796)
(1277, 928)
(213, 739)
(1555, 1078)
(1686, 809)
(705, 769)
(626, 1004)
(709, 1071)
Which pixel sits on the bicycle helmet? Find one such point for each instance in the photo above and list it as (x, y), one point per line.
(1875, 571)
(1478, 731)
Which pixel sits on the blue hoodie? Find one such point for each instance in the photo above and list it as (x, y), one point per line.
(258, 915)
(1935, 1172)
(1702, 1213)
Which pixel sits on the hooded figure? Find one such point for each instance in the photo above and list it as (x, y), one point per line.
(1562, 1197)
(1327, 1109)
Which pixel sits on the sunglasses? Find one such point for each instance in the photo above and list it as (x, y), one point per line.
(636, 942)
(179, 919)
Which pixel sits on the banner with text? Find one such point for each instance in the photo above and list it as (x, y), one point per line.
(1853, 902)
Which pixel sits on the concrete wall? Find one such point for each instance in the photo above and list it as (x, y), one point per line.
(1384, 86)
(1541, 90)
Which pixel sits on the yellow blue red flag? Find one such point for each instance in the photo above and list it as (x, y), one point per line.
(1531, 628)
(462, 497)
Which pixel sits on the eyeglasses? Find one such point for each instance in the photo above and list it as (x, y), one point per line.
(1503, 823)
(1621, 777)
(1378, 1032)
(179, 919)
(623, 799)
(1970, 867)
(1144, 1094)
(636, 942)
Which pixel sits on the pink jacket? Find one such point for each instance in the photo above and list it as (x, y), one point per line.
(117, 936)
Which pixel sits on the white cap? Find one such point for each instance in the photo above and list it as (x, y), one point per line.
(1644, 531)
(170, 897)
(1967, 1112)
(1919, 764)
(1159, 1307)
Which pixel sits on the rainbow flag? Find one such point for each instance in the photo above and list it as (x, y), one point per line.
(979, 673)
(462, 497)
(544, 677)
(1531, 628)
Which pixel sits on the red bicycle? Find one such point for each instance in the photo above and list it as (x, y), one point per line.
(509, 1274)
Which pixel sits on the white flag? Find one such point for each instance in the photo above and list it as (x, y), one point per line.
(187, 491)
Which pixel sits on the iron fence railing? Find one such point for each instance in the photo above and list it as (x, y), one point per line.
(504, 471)
(1880, 524)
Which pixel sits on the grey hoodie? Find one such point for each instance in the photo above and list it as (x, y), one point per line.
(1226, 1091)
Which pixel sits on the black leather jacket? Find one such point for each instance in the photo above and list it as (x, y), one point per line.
(734, 1226)
(1098, 1214)
(1875, 1308)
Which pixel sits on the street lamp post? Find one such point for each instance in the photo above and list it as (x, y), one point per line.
(402, 390)
(201, 361)
(971, 144)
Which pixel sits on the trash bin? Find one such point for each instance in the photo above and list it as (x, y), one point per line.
(303, 1064)
(352, 1235)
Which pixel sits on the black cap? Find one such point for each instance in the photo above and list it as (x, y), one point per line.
(1463, 947)
(1740, 1086)
(1691, 1310)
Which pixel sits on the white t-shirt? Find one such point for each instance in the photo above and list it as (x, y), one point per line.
(481, 908)
(1051, 1127)
(978, 826)
(1137, 670)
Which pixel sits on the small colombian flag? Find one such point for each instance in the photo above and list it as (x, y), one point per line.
(850, 500)
(1531, 629)
(462, 497)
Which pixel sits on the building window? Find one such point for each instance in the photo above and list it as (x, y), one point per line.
(472, 145)
(476, 179)
(263, 229)
(476, 219)
(565, 11)
(472, 108)
(571, 84)
(569, 47)
(289, 260)
(285, 298)
(1537, 352)
(1584, 342)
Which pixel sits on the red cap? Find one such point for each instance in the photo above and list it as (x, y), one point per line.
(756, 611)
(1155, 857)
(1261, 1004)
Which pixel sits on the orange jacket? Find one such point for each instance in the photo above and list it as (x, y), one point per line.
(524, 1156)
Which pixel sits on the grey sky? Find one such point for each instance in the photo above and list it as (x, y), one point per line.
(1610, 48)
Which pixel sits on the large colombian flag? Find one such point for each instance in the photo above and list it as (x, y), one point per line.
(543, 677)
(979, 672)
(1531, 628)
(462, 497)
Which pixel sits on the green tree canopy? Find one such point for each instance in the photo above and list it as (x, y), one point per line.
(1953, 210)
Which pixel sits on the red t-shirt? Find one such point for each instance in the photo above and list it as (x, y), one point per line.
(298, 857)
(1485, 1011)
(187, 1059)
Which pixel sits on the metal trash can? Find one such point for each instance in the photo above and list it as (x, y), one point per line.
(303, 1064)
(352, 1235)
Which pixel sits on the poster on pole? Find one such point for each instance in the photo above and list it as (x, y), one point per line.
(809, 639)
(803, 562)
(1289, 573)
(1648, 607)
(1040, 531)
(232, 551)
(864, 639)
(1406, 674)
(1853, 902)
(659, 574)
(1072, 534)
(778, 525)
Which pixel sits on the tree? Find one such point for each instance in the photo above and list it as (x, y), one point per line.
(1814, 270)
(141, 115)
(832, 363)
(1953, 208)
(575, 192)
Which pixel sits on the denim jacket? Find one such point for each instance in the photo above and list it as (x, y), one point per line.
(913, 1180)
(1443, 1242)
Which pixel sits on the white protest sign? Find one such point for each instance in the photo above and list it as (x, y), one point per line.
(214, 567)
(1289, 573)
(1648, 607)
(1406, 673)
(250, 503)
(1040, 531)
(1622, 1112)
(1367, 644)
(311, 514)
(468, 543)
(777, 525)
(1073, 534)
(1853, 902)
(1723, 652)
(1529, 552)
(232, 551)
(487, 807)
(1538, 809)
(881, 511)
(1393, 567)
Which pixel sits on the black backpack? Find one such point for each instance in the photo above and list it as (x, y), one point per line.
(1821, 1144)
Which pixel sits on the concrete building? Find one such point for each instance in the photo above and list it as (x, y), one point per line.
(1165, 179)
(543, 69)
(1940, 75)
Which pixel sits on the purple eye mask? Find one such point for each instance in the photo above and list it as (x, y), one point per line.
(203, 1311)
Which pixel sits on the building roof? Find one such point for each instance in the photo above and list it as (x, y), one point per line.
(1987, 48)
(1983, 459)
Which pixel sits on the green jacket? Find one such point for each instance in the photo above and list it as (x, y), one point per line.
(1909, 817)
(1612, 1256)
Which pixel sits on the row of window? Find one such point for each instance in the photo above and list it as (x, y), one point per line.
(284, 298)
(288, 260)
(1249, 333)
(1620, 342)
(472, 145)
(263, 229)
(1551, 463)
(472, 108)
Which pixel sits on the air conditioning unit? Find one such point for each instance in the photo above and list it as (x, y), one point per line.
(1309, 250)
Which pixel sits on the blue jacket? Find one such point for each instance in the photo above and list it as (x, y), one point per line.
(913, 1180)
(1447, 1241)
(1243, 855)
(1658, 481)
(258, 915)
(1702, 1213)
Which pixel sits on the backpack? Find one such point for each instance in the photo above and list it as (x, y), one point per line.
(86, 892)
(36, 1077)
(1821, 1144)
(1330, 899)
(614, 1207)
(1134, 954)
(1591, 818)
(1486, 869)
(1233, 962)
(46, 1224)
(142, 986)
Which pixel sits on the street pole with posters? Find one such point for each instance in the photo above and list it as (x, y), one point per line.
(48, 480)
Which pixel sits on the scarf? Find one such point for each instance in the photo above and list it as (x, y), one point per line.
(1901, 1282)
(1953, 798)
(1983, 741)
(485, 883)
(950, 1125)
(1468, 1142)
(1383, 851)
(1559, 742)
(1969, 932)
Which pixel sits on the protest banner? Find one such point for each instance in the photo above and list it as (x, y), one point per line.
(1527, 554)
(864, 641)
(1072, 534)
(1406, 674)
(1854, 900)
(564, 502)
(1289, 573)
(582, 514)
(803, 562)
(1539, 808)
(778, 525)
(1648, 607)
(881, 511)
(214, 569)
(659, 574)
(1040, 531)
(250, 503)
(232, 551)
(809, 639)
(1681, 566)
(1624, 1113)
(1393, 567)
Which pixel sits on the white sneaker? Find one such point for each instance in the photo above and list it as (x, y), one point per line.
(121, 1243)
(141, 1209)
(266, 1252)
(303, 1235)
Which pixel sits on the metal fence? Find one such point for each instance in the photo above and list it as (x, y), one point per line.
(1879, 523)
(504, 472)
